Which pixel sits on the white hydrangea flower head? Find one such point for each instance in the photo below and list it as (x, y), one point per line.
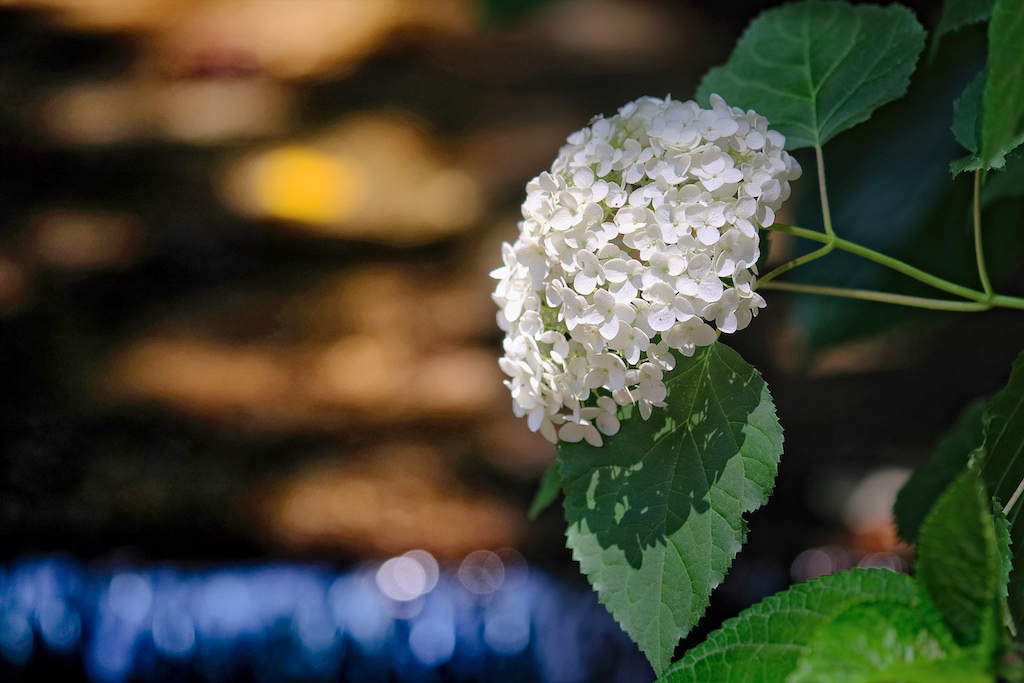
(641, 240)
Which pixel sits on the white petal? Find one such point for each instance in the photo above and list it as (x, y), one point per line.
(608, 424)
(547, 430)
(610, 328)
(571, 432)
(584, 283)
(592, 436)
(660, 317)
(533, 421)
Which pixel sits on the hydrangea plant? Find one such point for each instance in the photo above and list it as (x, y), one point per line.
(641, 240)
(640, 247)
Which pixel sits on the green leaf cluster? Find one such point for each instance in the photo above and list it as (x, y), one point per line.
(989, 115)
(1001, 460)
(949, 623)
(988, 439)
(891, 195)
(656, 516)
(864, 625)
(890, 190)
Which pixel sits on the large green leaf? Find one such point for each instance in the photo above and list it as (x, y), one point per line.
(815, 69)
(1002, 467)
(959, 562)
(948, 460)
(1002, 120)
(655, 516)
(763, 644)
(887, 641)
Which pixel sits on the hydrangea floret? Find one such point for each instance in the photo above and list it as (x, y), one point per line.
(641, 240)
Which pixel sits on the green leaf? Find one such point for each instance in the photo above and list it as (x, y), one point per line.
(815, 69)
(887, 641)
(959, 13)
(547, 492)
(966, 110)
(991, 110)
(948, 459)
(965, 113)
(655, 516)
(1002, 467)
(959, 563)
(1005, 545)
(968, 163)
(763, 643)
(1002, 121)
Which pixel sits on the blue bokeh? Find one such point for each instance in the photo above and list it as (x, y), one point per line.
(279, 623)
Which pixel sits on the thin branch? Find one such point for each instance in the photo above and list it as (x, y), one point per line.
(978, 251)
(1013, 499)
(887, 261)
(826, 214)
(790, 265)
(883, 297)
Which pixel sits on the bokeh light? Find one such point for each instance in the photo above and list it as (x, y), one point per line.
(289, 623)
(379, 177)
(302, 184)
(68, 239)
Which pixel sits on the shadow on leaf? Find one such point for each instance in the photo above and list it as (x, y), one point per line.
(640, 489)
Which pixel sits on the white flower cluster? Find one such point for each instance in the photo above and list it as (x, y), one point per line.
(643, 234)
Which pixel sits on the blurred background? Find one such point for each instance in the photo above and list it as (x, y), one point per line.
(253, 427)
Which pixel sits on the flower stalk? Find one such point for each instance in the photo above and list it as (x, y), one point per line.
(979, 252)
(982, 300)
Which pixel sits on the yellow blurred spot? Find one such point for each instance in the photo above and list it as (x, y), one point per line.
(303, 184)
(377, 177)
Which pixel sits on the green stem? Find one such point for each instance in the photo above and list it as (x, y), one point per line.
(978, 252)
(1014, 498)
(790, 265)
(976, 301)
(826, 214)
(989, 301)
(1003, 301)
(882, 259)
(826, 217)
(884, 297)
